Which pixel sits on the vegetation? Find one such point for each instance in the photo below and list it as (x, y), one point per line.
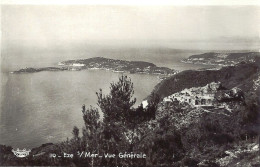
(169, 134)
(240, 76)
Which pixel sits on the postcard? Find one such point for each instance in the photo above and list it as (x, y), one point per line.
(117, 83)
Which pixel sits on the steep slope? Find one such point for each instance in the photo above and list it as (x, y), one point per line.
(241, 76)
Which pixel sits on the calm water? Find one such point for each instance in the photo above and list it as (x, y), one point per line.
(43, 107)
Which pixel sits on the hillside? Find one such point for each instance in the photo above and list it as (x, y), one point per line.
(223, 133)
(241, 76)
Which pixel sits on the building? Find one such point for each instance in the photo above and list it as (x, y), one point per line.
(199, 96)
(78, 65)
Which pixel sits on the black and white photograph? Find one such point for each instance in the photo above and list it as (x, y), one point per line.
(130, 84)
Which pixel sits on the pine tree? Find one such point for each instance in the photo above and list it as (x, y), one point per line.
(117, 106)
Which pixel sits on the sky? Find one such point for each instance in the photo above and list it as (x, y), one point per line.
(48, 26)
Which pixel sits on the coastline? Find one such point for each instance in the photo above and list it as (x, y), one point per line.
(100, 63)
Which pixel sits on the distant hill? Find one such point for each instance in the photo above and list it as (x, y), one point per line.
(223, 59)
(241, 75)
(101, 63)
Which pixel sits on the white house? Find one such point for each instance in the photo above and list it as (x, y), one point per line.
(78, 65)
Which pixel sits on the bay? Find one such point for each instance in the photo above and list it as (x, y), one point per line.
(38, 108)
(43, 107)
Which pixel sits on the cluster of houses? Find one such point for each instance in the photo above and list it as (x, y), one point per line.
(199, 96)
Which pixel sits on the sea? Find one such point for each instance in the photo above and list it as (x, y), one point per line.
(43, 107)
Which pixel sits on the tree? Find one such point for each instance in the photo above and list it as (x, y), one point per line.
(118, 104)
(119, 129)
(93, 127)
(108, 135)
(152, 105)
(92, 133)
(75, 133)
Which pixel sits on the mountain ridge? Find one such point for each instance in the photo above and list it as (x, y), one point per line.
(222, 58)
(230, 77)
